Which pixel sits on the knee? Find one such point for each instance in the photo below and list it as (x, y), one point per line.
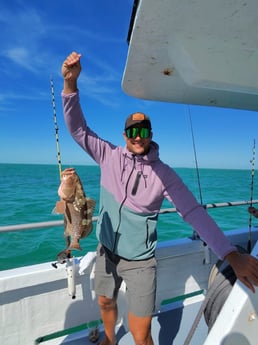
(142, 339)
(140, 328)
(106, 303)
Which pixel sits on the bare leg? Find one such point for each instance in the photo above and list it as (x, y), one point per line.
(140, 328)
(108, 311)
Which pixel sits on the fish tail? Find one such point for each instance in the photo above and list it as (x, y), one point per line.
(75, 245)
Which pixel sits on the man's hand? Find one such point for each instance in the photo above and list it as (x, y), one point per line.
(245, 267)
(253, 211)
(71, 70)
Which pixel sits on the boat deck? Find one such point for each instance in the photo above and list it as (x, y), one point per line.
(166, 328)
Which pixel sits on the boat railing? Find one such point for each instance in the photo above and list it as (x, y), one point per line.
(56, 223)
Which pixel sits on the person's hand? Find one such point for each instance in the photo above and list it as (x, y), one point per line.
(252, 210)
(245, 267)
(71, 70)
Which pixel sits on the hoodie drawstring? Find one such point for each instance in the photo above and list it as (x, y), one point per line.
(136, 182)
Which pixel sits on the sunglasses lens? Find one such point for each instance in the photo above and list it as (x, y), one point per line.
(144, 133)
(132, 132)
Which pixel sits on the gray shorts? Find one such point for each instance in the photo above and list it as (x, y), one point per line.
(139, 277)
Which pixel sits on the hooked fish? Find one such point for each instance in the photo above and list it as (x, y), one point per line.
(77, 209)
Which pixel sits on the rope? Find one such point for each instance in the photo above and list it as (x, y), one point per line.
(252, 161)
(196, 321)
(56, 129)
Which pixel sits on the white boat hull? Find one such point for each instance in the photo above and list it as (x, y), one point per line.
(35, 300)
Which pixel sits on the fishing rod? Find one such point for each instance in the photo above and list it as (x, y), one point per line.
(252, 161)
(56, 129)
(64, 256)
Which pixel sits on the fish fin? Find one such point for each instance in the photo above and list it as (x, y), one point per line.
(86, 214)
(67, 240)
(90, 207)
(60, 207)
(54, 212)
(87, 231)
(91, 203)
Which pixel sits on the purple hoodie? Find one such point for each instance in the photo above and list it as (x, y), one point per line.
(132, 191)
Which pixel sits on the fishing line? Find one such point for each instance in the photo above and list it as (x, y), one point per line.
(195, 234)
(195, 157)
(56, 128)
(252, 161)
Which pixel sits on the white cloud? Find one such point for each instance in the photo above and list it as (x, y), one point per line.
(20, 56)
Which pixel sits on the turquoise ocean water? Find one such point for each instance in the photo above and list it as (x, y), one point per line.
(29, 193)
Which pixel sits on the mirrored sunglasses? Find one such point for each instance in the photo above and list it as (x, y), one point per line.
(132, 132)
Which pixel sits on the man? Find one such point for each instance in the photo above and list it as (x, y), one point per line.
(134, 182)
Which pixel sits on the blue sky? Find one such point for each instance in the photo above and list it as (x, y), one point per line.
(36, 36)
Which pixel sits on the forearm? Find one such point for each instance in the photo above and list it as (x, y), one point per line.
(73, 115)
(70, 86)
(210, 232)
(77, 126)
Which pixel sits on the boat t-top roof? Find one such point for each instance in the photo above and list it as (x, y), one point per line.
(194, 52)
